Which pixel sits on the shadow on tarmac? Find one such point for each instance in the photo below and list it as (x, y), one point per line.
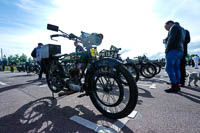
(17, 76)
(22, 85)
(191, 97)
(153, 80)
(45, 115)
(192, 88)
(144, 93)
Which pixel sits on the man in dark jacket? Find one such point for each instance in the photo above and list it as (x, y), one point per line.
(183, 60)
(37, 58)
(174, 53)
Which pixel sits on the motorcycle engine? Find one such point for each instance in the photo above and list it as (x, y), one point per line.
(74, 75)
(73, 71)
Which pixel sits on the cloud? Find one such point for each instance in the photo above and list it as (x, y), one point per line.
(135, 26)
(193, 47)
(23, 25)
(35, 7)
(124, 51)
(158, 55)
(126, 24)
(26, 4)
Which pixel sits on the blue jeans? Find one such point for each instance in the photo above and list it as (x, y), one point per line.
(172, 68)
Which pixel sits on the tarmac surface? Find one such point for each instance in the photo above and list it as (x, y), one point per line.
(27, 106)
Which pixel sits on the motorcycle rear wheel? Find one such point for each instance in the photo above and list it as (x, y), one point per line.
(54, 80)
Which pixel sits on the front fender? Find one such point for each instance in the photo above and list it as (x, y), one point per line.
(110, 62)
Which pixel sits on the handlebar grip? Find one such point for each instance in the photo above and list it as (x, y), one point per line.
(56, 35)
(72, 36)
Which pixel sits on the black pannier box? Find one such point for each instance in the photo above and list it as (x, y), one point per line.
(50, 49)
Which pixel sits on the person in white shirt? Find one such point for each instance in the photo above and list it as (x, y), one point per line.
(38, 60)
(196, 61)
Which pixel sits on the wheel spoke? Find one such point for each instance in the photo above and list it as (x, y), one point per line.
(102, 82)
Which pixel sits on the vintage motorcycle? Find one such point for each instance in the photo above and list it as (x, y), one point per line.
(100, 79)
(32, 67)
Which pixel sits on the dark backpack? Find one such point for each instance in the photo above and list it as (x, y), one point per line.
(187, 37)
(33, 53)
(187, 40)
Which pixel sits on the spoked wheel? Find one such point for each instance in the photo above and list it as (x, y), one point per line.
(54, 80)
(148, 70)
(109, 90)
(111, 97)
(158, 67)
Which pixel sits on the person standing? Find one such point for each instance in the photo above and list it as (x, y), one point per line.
(174, 52)
(183, 60)
(196, 61)
(37, 57)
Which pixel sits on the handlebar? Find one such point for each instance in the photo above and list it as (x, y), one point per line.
(88, 40)
(65, 35)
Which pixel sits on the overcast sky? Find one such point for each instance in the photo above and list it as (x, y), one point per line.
(137, 26)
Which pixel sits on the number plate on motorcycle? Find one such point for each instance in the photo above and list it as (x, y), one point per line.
(93, 52)
(108, 53)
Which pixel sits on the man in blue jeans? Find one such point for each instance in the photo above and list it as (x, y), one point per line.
(174, 53)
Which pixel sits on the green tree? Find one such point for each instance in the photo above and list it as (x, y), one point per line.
(23, 58)
(10, 59)
(194, 55)
(4, 58)
(16, 58)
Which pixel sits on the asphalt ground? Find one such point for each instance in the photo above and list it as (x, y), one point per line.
(27, 106)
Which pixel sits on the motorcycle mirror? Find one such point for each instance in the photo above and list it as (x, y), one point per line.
(52, 27)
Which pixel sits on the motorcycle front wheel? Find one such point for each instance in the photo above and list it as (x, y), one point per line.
(112, 97)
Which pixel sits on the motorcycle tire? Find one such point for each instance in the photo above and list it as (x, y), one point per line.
(54, 81)
(148, 70)
(158, 67)
(128, 94)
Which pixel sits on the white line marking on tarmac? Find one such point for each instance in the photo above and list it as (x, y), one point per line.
(114, 128)
(88, 124)
(43, 85)
(153, 86)
(1, 83)
(132, 114)
(143, 85)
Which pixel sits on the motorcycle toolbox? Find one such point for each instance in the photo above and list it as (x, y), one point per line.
(49, 50)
